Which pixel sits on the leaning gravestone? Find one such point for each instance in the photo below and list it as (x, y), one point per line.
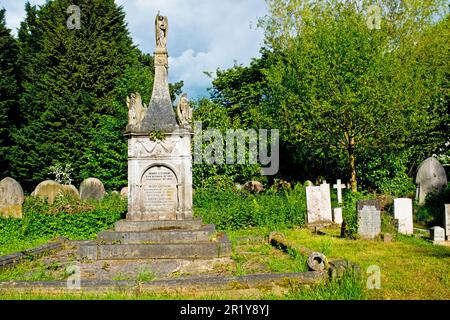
(403, 212)
(49, 190)
(92, 189)
(431, 177)
(447, 221)
(159, 222)
(318, 203)
(369, 219)
(11, 198)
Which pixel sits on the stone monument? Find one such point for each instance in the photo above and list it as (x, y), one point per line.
(403, 212)
(318, 203)
(447, 221)
(159, 222)
(431, 177)
(369, 219)
(11, 198)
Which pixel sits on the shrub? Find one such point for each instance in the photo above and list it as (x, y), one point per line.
(433, 209)
(231, 210)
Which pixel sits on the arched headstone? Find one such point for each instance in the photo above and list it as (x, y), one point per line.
(11, 198)
(431, 177)
(92, 189)
(48, 189)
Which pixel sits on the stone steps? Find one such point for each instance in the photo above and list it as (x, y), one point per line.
(205, 233)
(146, 226)
(220, 247)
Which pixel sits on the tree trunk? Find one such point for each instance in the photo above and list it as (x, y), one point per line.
(352, 158)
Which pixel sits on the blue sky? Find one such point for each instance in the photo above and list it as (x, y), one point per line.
(203, 34)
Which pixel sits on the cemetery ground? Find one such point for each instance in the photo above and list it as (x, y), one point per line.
(411, 266)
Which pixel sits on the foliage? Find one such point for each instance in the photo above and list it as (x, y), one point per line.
(8, 87)
(432, 212)
(76, 220)
(219, 175)
(62, 174)
(349, 212)
(231, 210)
(157, 135)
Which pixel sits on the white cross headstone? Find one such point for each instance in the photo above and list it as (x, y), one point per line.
(339, 186)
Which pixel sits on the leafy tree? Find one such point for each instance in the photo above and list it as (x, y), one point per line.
(346, 88)
(8, 88)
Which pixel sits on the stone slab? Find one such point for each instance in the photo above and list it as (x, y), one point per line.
(403, 211)
(158, 236)
(447, 221)
(145, 226)
(337, 215)
(369, 219)
(318, 201)
(198, 250)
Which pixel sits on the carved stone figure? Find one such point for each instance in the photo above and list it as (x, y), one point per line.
(184, 111)
(161, 28)
(136, 110)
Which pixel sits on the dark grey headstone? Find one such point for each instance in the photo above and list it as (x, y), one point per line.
(369, 219)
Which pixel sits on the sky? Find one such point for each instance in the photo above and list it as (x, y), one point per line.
(203, 34)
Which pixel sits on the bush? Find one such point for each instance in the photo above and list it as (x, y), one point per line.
(231, 210)
(76, 220)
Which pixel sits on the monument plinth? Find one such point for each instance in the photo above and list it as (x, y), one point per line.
(159, 222)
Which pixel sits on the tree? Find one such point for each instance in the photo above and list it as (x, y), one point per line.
(8, 88)
(70, 82)
(344, 87)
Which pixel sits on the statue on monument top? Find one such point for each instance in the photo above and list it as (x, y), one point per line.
(184, 111)
(161, 28)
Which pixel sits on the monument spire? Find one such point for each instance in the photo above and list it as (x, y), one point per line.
(160, 115)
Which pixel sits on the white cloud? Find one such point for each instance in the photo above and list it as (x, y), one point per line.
(203, 34)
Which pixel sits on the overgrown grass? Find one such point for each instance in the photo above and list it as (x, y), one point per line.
(76, 220)
(232, 210)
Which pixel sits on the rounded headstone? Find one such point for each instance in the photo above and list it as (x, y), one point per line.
(124, 192)
(254, 186)
(48, 189)
(71, 191)
(11, 198)
(308, 184)
(431, 177)
(92, 189)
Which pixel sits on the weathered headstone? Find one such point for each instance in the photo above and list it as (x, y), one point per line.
(337, 215)
(369, 219)
(49, 190)
(71, 191)
(124, 192)
(431, 177)
(447, 221)
(403, 211)
(92, 189)
(339, 186)
(11, 198)
(318, 202)
(437, 235)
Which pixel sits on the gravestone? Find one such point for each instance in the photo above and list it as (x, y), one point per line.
(49, 190)
(71, 191)
(92, 189)
(431, 177)
(339, 186)
(437, 235)
(159, 222)
(369, 219)
(447, 221)
(318, 202)
(403, 212)
(11, 198)
(337, 215)
(124, 192)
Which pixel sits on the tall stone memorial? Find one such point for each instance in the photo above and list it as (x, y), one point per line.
(159, 222)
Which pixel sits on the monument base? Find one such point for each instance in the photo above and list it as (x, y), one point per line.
(187, 239)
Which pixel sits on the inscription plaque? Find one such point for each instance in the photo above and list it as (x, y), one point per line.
(159, 185)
